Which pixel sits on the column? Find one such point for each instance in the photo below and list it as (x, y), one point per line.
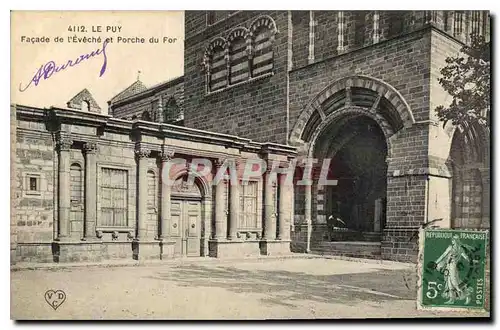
(269, 211)
(235, 204)
(220, 205)
(285, 193)
(63, 146)
(142, 155)
(307, 214)
(90, 149)
(166, 156)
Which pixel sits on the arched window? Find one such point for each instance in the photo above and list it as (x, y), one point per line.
(85, 105)
(216, 65)
(263, 31)
(76, 187)
(171, 111)
(238, 56)
(146, 116)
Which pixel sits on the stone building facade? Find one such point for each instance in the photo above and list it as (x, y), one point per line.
(358, 88)
(88, 187)
(355, 90)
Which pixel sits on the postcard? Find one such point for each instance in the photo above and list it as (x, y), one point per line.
(250, 165)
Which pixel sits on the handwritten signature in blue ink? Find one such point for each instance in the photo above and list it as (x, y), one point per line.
(48, 69)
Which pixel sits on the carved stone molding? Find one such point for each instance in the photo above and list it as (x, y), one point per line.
(142, 153)
(64, 143)
(166, 155)
(219, 162)
(90, 147)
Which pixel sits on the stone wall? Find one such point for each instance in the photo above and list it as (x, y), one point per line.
(256, 109)
(149, 100)
(34, 165)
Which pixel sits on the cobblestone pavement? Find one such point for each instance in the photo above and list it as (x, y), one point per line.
(214, 289)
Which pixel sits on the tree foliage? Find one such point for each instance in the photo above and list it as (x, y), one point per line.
(466, 77)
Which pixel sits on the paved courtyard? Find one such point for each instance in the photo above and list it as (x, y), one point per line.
(215, 289)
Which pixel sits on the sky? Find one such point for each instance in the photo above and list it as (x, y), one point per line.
(157, 62)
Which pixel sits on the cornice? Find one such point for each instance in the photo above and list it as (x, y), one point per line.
(138, 128)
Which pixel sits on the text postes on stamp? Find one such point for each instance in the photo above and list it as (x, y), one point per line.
(452, 268)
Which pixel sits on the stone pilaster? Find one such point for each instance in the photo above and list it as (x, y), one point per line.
(285, 199)
(312, 24)
(485, 207)
(63, 147)
(234, 205)
(307, 214)
(90, 149)
(341, 27)
(376, 27)
(220, 205)
(166, 189)
(269, 211)
(142, 155)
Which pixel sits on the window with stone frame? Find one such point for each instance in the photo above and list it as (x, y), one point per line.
(217, 68)
(113, 197)
(263, 53)
(32, 184)
(171, 111)
(248, 206)
(146, 116)
(238, 57)
(76, 186)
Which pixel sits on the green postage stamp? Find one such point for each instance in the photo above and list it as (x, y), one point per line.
(452, 269)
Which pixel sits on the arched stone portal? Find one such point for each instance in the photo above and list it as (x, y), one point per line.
(353, 122)
(354, 208)
(469, 159)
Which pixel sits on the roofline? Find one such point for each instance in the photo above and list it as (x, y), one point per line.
(149, 91)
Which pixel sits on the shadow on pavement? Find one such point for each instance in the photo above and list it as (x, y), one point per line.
(284, 287)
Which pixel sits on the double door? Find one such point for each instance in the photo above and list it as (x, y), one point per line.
(185, 227)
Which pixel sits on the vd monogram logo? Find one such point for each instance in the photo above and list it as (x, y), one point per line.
(55, 298)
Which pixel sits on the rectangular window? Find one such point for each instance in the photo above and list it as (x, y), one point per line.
(114, 194)
(33, 184)
(248, 205)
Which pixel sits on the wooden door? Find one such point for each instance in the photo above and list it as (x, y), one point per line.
(186, 222)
